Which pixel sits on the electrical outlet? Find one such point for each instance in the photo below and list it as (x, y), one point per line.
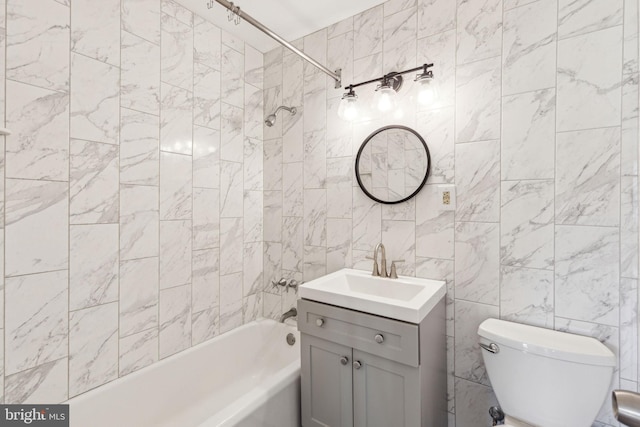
(447, 197)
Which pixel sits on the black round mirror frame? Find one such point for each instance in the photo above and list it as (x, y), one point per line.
(364, 144)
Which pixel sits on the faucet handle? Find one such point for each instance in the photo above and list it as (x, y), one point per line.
(293, 283)
(393, 274)
(281, 282)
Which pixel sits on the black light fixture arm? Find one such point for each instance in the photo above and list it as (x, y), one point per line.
(389, 76)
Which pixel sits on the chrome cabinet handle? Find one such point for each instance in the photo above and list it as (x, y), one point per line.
(379, 338)
(319, 322)
(357, 364)
(344, 360)
(491, 348)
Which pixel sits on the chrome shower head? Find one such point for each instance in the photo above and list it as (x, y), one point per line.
(271, 118)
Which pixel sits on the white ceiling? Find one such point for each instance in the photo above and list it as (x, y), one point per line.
(290, 19)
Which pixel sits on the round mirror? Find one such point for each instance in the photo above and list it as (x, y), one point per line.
(393, 164)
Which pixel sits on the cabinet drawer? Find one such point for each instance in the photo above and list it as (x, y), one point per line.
(359, 330)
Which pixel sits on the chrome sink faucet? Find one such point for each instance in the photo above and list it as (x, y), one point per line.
(383, 262)
(382, 271)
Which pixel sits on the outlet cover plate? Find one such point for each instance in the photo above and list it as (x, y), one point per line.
(447, 197)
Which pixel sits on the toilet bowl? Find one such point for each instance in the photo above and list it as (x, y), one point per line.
(545, 378)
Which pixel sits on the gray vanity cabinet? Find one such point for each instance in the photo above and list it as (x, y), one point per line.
(329, 384)
(362, 370)
(384, 392)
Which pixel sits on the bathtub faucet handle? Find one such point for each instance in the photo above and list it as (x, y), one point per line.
(293, 284)
(281, 282)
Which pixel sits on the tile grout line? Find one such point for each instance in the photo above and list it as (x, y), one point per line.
(620, 189)
(68, 378)
(455, 211)
(555, 163)
(193, 193)
(500, 161)
(118, 260)
(160, 125)
(3, 393)
(637, 159)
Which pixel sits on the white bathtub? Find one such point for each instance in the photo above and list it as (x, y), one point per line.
(248, 377)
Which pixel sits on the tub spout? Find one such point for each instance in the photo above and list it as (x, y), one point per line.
(291, 313)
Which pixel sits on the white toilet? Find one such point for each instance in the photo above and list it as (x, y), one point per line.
(545, 378)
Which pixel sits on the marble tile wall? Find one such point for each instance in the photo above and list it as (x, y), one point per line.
(133, 178)
(137, 220)
(536, 125)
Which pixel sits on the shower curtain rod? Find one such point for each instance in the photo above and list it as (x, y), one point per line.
(335, 75)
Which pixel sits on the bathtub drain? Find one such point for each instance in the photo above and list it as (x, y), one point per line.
(291, 339)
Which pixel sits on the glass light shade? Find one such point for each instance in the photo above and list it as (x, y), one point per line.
(427, 91)
(385, 98)
(348, 109)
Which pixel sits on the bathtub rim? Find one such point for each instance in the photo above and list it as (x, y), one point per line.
(89, 394)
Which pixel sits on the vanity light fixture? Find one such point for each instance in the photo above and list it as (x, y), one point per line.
(348, 110)
(385, 97)
(427, 93)
(388, 87)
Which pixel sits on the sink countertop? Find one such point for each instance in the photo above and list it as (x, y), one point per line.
(408, 299)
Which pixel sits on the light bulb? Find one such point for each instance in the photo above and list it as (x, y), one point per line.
(385, 98)
(427, 94)
(427, 91)
(351, 111)
(348, 109)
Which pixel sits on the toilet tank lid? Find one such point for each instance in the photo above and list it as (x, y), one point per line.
(547, 342)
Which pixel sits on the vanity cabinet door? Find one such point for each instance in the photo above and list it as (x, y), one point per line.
(385, 393)
(326, 379)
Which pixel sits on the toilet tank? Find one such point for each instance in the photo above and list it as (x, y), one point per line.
(544, 377)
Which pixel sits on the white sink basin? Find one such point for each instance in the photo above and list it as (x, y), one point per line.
(406, 298)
